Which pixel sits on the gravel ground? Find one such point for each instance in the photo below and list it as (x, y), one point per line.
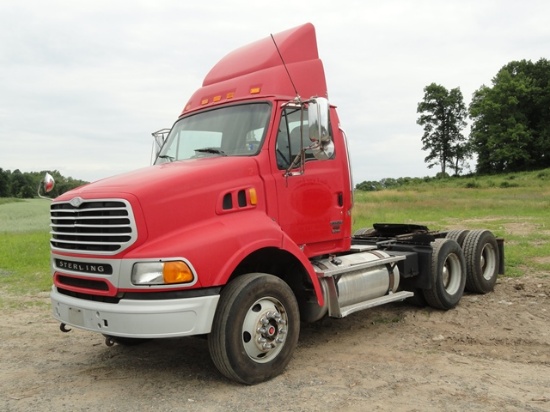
(491, 353)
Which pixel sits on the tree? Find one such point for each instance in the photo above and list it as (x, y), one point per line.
(25, 184)
(4, 183)
(19, 184)
(511, 119)
(442, 114)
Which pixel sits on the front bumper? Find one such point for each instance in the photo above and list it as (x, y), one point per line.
(137, 318)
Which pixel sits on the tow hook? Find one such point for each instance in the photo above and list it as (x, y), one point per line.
(63, 328)
(109, 341)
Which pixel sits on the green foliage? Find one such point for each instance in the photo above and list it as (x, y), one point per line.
(506, 184)
(472, 185)
(369, 186)
(511, 120)
(25, 185)
(24, 249)
(402, 182)
(442, 114)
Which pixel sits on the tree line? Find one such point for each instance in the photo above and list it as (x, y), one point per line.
(25, 184)
(510, 129)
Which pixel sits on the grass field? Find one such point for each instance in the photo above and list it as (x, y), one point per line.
(515, 207)
(24, 249)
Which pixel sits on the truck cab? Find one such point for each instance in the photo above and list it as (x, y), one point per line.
(242, 227)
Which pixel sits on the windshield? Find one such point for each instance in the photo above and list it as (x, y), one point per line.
(228, 131)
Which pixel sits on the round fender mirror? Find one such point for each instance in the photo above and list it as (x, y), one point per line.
(48, 183)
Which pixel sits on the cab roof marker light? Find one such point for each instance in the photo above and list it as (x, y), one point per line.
(255, 90)
(216, 98)
(204, 101)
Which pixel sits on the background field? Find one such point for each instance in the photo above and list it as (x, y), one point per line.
(24, 251)
(515, 207)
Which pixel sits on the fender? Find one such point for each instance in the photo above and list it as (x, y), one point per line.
(215, 243)
(269, 235)
(291, 247)
(237, 230)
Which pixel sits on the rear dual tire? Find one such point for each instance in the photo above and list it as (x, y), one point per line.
(459, 235)
(482, 261)
(448, 270)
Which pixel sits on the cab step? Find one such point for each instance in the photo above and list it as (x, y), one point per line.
(348, 310)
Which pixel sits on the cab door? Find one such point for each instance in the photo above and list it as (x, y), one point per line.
(311, 194)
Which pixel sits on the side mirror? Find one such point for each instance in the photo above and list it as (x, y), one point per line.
(46, 185)
(318, 115)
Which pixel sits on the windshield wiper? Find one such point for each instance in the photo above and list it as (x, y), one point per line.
(167, 157)
(211, 150)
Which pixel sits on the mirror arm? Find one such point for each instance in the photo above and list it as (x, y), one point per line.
(300, 157)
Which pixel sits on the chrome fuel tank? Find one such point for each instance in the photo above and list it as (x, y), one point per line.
(354, 279)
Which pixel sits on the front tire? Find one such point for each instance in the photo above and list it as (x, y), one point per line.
(255, 328)
(448, 275)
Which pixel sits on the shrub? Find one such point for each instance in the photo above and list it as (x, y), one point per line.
(506, 185)
(472, 185)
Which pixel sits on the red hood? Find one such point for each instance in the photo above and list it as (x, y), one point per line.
(176, 195)
(170, 179)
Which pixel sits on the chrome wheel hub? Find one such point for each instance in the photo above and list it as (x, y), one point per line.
(264, 330)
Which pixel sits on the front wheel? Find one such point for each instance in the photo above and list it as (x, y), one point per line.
(448, 275)
(255, 328)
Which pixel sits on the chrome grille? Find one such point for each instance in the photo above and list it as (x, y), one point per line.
(105, 226)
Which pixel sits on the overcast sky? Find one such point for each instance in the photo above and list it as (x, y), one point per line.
(84, 83)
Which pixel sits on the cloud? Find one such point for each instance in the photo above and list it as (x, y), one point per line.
(84, 84)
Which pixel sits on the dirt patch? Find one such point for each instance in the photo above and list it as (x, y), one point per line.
(491, 353)
(520, 228)
(544, 260)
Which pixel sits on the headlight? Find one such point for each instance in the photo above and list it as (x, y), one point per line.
(161, 273)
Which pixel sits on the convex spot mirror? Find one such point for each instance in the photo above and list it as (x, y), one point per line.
(46, 185)
(318, 115)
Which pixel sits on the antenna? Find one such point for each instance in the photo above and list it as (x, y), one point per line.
(284, 64)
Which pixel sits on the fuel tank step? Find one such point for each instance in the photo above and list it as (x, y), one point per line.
(394, 297)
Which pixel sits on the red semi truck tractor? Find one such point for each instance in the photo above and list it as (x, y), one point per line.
(242, 227)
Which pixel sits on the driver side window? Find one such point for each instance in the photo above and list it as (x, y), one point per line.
(288, 138)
